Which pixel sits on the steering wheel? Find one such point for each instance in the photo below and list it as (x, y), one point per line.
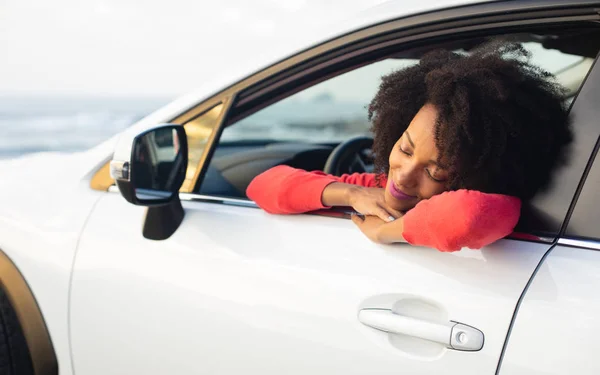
(351, 156)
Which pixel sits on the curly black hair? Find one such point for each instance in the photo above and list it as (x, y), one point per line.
(503, 124)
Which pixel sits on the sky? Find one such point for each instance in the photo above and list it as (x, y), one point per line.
(146, 48)
(161, 49)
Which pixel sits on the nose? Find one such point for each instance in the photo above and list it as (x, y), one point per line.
(406, 175)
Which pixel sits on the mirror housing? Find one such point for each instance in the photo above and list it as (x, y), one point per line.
(156, 168)
(153, 175)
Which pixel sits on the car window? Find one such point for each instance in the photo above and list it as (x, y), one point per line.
(330, 111)
(301, 129)
(546, 213)
(334, 110)
(584, 222)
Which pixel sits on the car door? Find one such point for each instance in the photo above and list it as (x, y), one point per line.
(235, 289)
(563, 295)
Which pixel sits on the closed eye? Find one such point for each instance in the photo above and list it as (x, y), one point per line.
(404, 151)
(433, 178)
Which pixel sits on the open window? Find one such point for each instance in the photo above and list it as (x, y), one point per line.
(301, 127)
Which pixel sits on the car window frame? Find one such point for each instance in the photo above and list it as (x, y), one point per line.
(365, 46)
(585, 198)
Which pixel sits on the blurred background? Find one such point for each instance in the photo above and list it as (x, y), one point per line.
(75, 72)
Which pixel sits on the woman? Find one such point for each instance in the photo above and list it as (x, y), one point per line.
(462, 139)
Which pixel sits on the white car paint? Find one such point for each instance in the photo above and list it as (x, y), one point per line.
(138, 306)
(209, 301)
(556, 330)
(40, 225)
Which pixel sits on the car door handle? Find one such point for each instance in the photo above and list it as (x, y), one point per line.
(453, 335)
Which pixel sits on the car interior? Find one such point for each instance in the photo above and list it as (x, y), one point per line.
(242, 155)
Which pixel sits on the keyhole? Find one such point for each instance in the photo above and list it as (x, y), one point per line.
(462, 338)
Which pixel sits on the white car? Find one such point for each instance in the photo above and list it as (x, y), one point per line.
(204, 282)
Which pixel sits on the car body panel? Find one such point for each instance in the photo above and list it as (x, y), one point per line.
(40, 223)
(236, 289)
(557, 325)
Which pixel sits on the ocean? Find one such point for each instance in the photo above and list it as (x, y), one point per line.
(67, 124)
(31, 124)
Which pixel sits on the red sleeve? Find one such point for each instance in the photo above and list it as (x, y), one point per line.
(463, 218)
(287, 190)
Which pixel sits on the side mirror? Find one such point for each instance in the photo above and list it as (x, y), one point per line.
(153, 175)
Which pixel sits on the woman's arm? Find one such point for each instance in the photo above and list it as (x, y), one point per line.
(462, 218)
(449, 221)
(287, 190)
(337, 194)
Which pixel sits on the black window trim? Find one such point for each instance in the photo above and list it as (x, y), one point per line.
(576, 240)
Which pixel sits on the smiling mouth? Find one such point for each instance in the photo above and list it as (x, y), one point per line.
(398, 194)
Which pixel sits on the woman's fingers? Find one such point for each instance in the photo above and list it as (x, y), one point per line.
(374, 205)
(384, 215)
(395, 213)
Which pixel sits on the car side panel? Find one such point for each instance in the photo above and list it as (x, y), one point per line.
(556, 329)
(238, 290)
(43, 208)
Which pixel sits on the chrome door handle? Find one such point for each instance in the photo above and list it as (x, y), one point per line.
(453, 335)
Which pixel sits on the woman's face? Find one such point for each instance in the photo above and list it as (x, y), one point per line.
(414, 173)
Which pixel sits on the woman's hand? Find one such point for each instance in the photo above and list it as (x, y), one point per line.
(381, 223)
(365, 200)
(378, 230)
(371, 202)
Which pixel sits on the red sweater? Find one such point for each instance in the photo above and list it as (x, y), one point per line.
(447, 222)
